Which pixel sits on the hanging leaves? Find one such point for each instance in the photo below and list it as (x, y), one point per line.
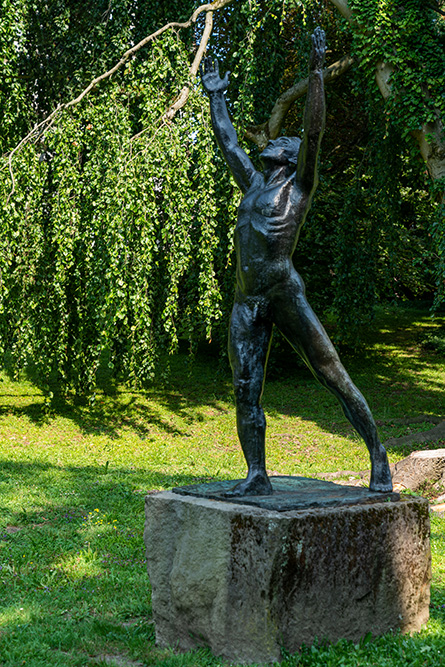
(116, 239)
(112, 238)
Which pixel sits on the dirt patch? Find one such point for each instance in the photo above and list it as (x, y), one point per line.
(117, 660)
(13, 529)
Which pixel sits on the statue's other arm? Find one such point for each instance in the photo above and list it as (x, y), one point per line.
(314, 115)
(239, 163)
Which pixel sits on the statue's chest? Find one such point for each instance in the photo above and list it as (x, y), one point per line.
(268, 202)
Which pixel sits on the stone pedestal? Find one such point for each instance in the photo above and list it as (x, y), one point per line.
(247, 580)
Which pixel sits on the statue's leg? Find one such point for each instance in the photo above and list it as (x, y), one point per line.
(299, 324)
(249, 341)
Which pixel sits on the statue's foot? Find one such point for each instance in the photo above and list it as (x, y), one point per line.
(380, 473)
(257, 484)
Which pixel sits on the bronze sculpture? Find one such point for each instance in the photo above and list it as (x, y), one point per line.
(269, 290)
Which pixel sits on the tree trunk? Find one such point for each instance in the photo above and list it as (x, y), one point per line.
(430, 136)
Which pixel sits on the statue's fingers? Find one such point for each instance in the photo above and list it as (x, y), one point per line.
(318, 36)
(314, 42)
(321, 37)
(226, 78)
(216, 66)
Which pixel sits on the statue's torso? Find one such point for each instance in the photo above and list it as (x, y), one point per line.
(269, 221)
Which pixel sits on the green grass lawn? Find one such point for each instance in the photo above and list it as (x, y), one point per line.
(73, 476)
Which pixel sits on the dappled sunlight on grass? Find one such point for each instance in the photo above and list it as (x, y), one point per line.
(17, 615)
(73, 476)
(84, 563)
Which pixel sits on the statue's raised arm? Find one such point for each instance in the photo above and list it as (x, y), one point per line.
(237, 159)
(314, 115)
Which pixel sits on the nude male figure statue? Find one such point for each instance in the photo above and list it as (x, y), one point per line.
(268, 289)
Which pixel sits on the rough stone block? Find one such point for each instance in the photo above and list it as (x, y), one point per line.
(418, 468)
(246, 581)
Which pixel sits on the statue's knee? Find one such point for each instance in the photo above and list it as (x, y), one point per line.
(332, 372)
(246, 391)
(240, 388)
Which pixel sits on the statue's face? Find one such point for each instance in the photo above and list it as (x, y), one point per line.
(282, 150)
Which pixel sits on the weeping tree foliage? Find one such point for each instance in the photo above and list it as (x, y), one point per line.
(112, 237)
(118, 212)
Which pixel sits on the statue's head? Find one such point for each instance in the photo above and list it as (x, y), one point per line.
(282, 150)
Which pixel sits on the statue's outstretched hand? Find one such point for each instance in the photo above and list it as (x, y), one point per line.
(211, 80)
(318, 49)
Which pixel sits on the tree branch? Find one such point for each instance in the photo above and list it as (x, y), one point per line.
(436, 8)
(40, 128)
(185, 92)
(430, 135)
(260, 134)
(343, 8)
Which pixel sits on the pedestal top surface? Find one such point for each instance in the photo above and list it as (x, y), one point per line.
(291, 493)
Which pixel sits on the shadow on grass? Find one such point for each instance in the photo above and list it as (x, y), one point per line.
(51, 618)
(88, 486)
(184, 394)
(397, 377)
(57, 620)
(74, 517)
(391, 375)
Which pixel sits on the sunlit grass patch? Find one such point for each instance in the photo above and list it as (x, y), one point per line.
(84, 563)
(73, 477)
(17, 615)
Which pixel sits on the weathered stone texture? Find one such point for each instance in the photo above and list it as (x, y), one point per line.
(420, 467)
(247, 581)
